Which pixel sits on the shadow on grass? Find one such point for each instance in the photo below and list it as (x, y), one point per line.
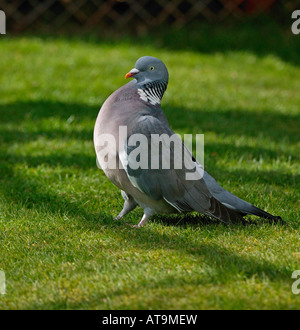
(262, 36)
(34, 194)
(227, 267)
(20, 123)
(273, 125)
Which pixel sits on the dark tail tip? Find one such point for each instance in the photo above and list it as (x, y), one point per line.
(278, 219)
(268, 216)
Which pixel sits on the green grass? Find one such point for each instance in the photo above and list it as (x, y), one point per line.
(60, 248)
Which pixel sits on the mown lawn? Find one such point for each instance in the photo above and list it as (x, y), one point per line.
(60, 248)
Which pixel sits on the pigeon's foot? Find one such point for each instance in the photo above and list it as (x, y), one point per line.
(129, 205)
(118, 217)
(145, 218)
(142, 223)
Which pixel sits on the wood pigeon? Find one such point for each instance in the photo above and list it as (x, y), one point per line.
(132, 120)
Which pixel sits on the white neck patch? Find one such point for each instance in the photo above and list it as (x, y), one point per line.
(152, 92)
(149, 96)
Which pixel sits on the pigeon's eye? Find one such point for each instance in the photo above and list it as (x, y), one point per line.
(152, 68)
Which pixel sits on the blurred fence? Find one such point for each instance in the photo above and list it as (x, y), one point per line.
(25, 15)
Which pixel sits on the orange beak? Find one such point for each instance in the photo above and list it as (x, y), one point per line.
(131, 73)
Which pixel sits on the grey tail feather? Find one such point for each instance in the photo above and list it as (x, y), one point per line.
(265, 215)
(223, 213)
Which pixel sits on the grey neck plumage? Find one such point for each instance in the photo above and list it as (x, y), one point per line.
(152, 92)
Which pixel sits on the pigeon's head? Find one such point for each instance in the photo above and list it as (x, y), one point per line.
(148, 69)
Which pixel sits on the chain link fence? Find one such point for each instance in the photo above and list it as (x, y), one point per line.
(25, 15)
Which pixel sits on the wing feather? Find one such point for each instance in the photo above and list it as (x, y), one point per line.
(170, 184)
